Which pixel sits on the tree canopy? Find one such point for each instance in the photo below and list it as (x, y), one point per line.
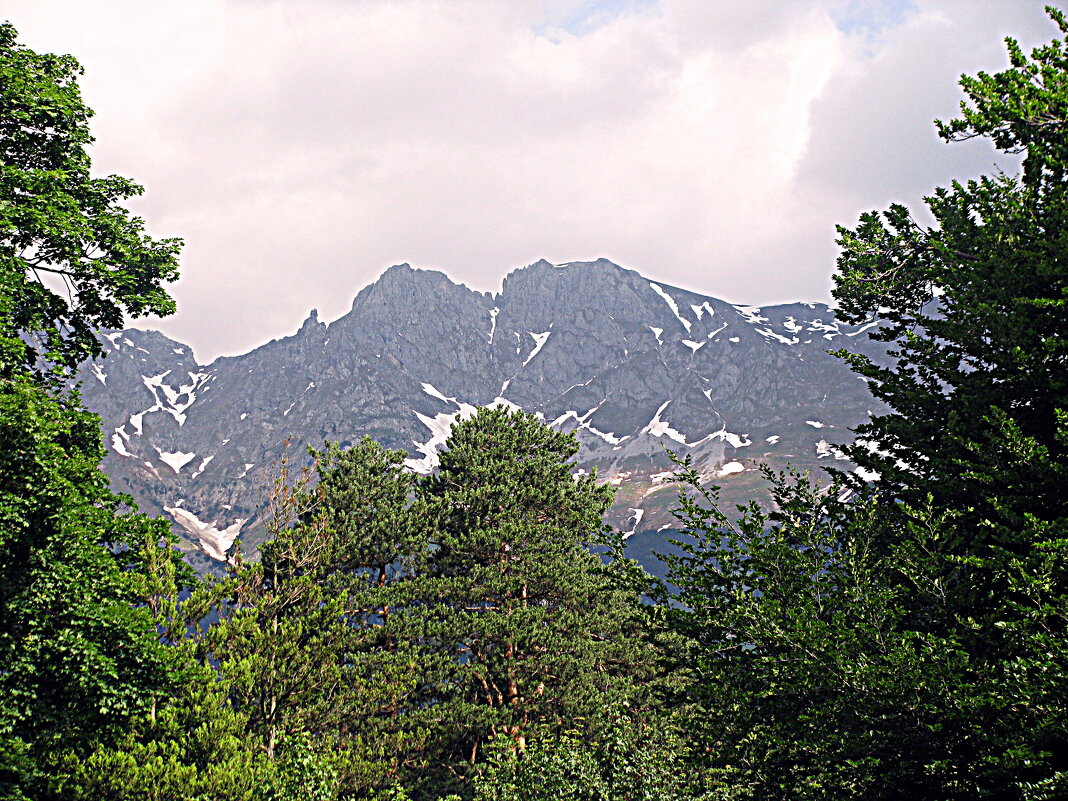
(79, 652)
(59, 222)
(902, 633)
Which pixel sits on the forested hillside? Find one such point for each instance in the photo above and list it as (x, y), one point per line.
(477, 631)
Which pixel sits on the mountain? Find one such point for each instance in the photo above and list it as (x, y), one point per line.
(632, 366)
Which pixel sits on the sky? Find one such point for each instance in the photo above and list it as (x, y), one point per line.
(301, 148)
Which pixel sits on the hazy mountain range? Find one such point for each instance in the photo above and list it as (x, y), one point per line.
(631, 365)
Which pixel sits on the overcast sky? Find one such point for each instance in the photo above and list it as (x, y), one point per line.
(302, 147)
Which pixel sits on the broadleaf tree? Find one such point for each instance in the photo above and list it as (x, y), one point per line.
(910, 641)
(79, 653)
(977, 311)
(58, 221)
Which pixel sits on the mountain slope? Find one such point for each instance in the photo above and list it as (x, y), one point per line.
(629, 364)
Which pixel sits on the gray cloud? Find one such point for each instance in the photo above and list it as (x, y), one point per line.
(302, 148)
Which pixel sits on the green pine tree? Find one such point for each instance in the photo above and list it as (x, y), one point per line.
(299, 642)
(522, 629)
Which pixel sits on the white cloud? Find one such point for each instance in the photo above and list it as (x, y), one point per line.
(302, 148)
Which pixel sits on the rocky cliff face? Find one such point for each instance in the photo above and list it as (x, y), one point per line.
(630, 365)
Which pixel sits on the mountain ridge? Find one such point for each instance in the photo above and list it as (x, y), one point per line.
(627, 363)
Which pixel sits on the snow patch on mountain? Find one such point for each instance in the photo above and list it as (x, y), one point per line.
(734, 440)
(176, 460)
(867, 475)
(670, 301)
(117, 443)
(539, 343)
(636, 515)
(502, 402)
(440, 426)
(433, 392)
(700, 310)
(214, 541)
(767, 332)
(204, 463)
(582, 424)
(662, 428)
(751, 314)
(825, 449)
(170, 399)
(863, 328)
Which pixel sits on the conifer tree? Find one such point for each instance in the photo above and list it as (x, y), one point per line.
(530, 633)
(299, 641)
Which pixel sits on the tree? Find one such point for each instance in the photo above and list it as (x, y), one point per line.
(911, 641)
(814, 670)
(56, 220)
(626, 760)
(976, 308)
(298, 641)
(534, 634)
(404, 622)
(79, 653)
(194, 747)
(79, 656)
(977, 311)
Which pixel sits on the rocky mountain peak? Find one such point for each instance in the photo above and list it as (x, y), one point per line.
(629, 364)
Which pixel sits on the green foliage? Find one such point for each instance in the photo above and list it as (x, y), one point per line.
(56, 220)
(810, 678)
(831, 658)
(910, 641)
(976, 308)
(298, 641)
(400, 623)
(304, 771)
(80, 656)
(193, 747)
(525, 630)
(78, 659)
(624, 761)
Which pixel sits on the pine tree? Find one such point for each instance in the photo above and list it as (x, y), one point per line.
(299, 640)
(529, 633)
